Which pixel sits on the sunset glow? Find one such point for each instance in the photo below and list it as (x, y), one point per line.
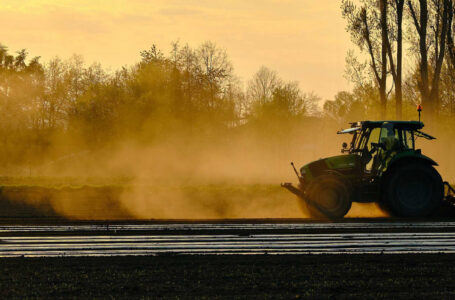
(303, 40)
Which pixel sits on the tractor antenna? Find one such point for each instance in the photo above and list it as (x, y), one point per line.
(295, 170)
(419, 110)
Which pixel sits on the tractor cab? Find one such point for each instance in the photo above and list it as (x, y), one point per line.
(377, 143)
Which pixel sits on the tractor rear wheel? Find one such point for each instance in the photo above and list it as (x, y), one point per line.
(414, 190)
(328, 196)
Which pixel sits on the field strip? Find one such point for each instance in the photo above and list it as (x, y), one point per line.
(262, 237)
(221, 227)
(357, 243)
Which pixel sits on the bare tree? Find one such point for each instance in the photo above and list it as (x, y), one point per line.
(450, 38)
(396, 65)
(261, 86)
(369, 31)
(434, 15)
(215, 66)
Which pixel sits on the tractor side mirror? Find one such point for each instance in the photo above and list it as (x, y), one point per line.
(344, 147)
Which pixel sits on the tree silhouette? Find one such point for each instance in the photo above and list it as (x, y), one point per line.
(437, 16)
(368, 26)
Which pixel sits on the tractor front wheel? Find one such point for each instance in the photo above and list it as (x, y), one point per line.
(414, 190)
(328, 196)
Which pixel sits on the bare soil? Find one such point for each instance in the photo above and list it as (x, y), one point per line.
(220, 277)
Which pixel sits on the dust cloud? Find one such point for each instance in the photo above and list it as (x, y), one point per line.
(235, 176)
(235, 179)
(185, 178)
(171, 137)
(232, 175)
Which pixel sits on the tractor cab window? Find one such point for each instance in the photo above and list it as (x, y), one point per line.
(407, 136)
(365, 138)
(390, 142)
(383, 141)
(370, 151)
(356, 140)
(360, 141)
(389, 137)
(374, 137)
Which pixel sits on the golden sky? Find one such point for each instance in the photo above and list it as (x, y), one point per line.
(304, 40)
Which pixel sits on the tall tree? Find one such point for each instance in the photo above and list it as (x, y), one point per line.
(396, 65)
(450, 38)
(434, 15)
(368, 27)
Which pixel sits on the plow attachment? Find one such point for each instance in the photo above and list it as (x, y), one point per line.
(296, 191)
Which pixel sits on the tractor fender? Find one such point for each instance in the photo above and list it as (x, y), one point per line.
(405, 158)
(411, 156)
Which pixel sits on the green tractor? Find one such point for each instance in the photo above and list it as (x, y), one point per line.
(380, 165)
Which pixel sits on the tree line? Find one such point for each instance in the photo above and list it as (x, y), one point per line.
(63, 106)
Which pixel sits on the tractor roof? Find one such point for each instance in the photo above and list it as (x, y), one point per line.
(415, 125)
(407, 125)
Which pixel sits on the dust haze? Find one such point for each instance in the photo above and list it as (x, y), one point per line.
(234, 177)
(175, 136)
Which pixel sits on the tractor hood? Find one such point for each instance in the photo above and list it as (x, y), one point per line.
(340, 163)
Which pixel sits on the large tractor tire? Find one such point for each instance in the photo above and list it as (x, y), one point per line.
(414, 190)
(328, 196)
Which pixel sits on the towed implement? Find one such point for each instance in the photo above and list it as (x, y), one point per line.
(380, 165)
